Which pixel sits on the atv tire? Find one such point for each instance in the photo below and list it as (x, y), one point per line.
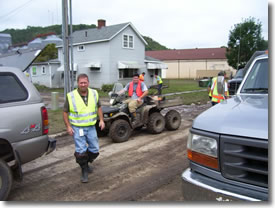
(120, 131)
(156, 123)
(172, 120)
(5, 180)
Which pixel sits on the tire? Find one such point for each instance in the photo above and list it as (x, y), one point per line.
(156, 123)
(120, 131)
(5, 180)
(172, 120)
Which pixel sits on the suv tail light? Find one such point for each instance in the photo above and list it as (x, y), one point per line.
(45, 120)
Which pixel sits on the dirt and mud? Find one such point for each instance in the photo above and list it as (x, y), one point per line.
(145, 168)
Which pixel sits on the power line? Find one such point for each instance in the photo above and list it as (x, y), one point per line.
(14, 11)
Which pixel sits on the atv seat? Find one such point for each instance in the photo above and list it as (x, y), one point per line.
(108, 109)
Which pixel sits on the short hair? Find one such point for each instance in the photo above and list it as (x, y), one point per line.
(143, 72)
(82, 76)
(136, 75)
(221, 73)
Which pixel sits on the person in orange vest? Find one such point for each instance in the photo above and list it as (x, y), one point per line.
(141, 77)
(219, 89)
(137, 90)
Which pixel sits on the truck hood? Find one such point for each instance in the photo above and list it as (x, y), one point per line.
(242, 115)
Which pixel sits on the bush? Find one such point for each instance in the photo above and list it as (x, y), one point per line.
(107, 87)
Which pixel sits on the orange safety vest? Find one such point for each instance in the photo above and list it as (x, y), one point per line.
(138, 89)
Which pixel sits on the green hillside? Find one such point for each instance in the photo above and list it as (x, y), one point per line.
(26, 35)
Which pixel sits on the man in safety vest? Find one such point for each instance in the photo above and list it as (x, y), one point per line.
(141, 77)
(159, 81)
(81, 109)
(219, 89)
(137, 90)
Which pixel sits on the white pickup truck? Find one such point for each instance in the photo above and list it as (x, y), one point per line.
(228, 144)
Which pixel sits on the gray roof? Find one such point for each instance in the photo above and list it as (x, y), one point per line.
(22, 58)
(149, 58)
(98, 35)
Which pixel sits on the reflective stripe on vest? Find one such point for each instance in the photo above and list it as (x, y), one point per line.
(213, 80)
(216, 97)
(138, 89)
(80, 113)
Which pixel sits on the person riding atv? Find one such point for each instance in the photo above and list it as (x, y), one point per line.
(118, 120)
(137, 90)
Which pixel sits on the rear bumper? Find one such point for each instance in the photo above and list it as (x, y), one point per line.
(197, 187)
(51, 145)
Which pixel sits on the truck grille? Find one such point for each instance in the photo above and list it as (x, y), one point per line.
(244, 160)
(234, 87)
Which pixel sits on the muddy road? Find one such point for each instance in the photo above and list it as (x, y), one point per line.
(145, 168)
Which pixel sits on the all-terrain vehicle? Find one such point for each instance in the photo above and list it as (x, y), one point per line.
(119, 125)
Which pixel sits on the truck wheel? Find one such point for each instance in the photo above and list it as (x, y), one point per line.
(172, 120)
(5, 180)
(156, 123)
(120, 131)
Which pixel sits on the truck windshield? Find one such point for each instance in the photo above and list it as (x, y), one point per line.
(257, 80)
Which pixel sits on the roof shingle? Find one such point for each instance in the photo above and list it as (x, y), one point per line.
(188, 54)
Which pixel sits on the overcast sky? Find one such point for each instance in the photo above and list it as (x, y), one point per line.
(179, 24)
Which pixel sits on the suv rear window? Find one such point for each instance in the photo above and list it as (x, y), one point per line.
(11, 89)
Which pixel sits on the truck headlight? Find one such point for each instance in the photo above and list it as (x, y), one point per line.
(203, 150)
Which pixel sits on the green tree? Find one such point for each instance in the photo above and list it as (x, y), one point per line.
(244, 39)
(153, 45)
(50, 52)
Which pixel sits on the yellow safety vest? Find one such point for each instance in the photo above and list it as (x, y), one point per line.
(216, 97)
(213, 80)
(160, 80)
(80, 113)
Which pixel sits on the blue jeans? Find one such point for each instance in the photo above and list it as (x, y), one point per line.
(89, 137)
(159, 89)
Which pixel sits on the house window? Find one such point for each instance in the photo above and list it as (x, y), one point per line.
(34, 72)
(43, 70)
(127, 73)
(128, 41)
(81, 48)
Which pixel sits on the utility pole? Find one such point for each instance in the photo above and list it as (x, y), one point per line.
(71, 47)
(65, 37)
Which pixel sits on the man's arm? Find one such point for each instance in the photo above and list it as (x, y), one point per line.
(101, 119)
(145, 92)
(67, 123)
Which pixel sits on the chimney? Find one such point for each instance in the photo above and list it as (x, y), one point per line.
(100, 23)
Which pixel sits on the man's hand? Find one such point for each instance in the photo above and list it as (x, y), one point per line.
(101, 124)
(139, 100)
(70, 130)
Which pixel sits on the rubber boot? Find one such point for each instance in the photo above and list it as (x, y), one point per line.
(90, 169)
(84, 177)
(135, 119)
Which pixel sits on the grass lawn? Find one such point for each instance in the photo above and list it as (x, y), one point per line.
(56, 123)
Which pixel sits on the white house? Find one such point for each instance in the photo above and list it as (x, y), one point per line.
(45, 73)
(109, 54)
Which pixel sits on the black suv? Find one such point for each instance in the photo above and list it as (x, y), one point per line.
(234, 83)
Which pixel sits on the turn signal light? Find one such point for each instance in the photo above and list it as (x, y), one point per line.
(203, 159)
(45, 120)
